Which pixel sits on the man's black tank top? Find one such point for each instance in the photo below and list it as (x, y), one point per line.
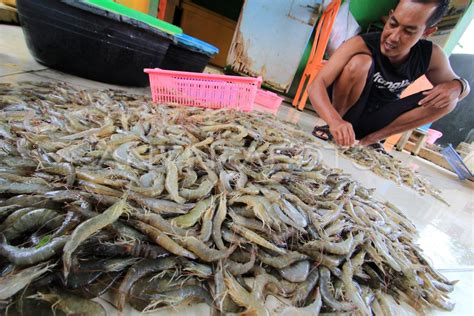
(388, 81)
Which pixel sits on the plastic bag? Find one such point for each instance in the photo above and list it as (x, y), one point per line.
(345, 26)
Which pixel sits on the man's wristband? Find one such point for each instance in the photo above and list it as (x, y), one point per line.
(463, 83)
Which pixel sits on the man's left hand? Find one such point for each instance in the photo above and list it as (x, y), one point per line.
(443, 95)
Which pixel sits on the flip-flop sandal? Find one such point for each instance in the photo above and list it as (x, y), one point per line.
(379, 147)
(322, 132)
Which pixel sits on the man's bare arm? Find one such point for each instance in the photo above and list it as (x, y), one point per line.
(446, 91)
(438, 102)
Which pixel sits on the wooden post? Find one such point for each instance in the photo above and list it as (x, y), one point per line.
(404, 140)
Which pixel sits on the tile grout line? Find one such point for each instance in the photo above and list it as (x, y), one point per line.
(23, 72)
(468, 269)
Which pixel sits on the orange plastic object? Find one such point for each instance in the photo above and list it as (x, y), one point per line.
(315, 60)
(161, 9)
(139, 5)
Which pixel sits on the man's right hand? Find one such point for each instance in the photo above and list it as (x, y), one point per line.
(343, 133)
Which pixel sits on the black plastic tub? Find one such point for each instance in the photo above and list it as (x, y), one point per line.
(187, 53)
(90, 42)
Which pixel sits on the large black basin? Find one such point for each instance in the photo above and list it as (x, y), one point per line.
(90, 42)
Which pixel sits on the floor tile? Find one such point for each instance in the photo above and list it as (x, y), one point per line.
(14, 55)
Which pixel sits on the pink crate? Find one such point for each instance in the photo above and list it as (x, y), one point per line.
(268, 100)
(203, 90)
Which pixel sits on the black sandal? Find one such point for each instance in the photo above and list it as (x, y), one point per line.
(379, 147)
(322, 132)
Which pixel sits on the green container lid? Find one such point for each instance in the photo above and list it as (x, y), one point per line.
(111, 6)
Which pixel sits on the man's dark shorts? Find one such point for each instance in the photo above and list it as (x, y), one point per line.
(367, 118)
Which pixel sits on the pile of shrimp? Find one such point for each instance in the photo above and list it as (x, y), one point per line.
(393, 169)
(104, 194)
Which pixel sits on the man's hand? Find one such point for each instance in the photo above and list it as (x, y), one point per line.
(343, 133)
(442, 95)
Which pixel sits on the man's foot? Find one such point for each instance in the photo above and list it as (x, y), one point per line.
(379, 147)
(322, 132)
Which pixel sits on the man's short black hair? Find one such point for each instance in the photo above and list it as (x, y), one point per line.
(441, 9)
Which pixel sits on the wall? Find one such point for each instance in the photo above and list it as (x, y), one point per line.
(366, 11)
(456, 125)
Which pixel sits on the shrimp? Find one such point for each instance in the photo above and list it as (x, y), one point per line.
(64, 169)
(326, 260)
(201, 250)
(190, 178)
(33, 219)
(351, 290)
(250, 223)
(261, 281)
(257, 205)
(282, 261)
(293, 213)
(92, 177)
(171, 182)
(384, 304)
(89, 227)
(160, 206)
(121, 154)
(305, 288)
(204, 188)
(217, 222)
(236, 268)
(233, 238)
(162, 224)
(190, 219)
(139, 270)
(297, 272)
(313, 308)
(99, 189)
(255, 238)
(71, 304)
(221, 298)
(244, 298)
(29, 256)
(22, 188)
(162, 239)
(178, 296)
(13, 217)
(339, 248)
(199, 270)
(6, 210)
(15, 282)
(206, 226)
(325, 279)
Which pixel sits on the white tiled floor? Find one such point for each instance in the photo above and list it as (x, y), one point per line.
(445, 233)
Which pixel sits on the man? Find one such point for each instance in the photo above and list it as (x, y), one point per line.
(358, 91)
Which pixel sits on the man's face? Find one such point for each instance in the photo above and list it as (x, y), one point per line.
(404, 27)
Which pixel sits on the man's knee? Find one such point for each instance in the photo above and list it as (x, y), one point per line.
(358, 66)
(448, 109)
(445, 110)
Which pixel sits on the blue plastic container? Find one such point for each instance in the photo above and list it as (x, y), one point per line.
(425, 127)
(455, 161)
(188, 53)
(195, 44)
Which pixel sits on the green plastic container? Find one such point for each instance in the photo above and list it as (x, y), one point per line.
(111, 6)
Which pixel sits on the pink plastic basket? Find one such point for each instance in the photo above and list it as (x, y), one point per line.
(433, 135)
(203, 90)
(268, 100)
